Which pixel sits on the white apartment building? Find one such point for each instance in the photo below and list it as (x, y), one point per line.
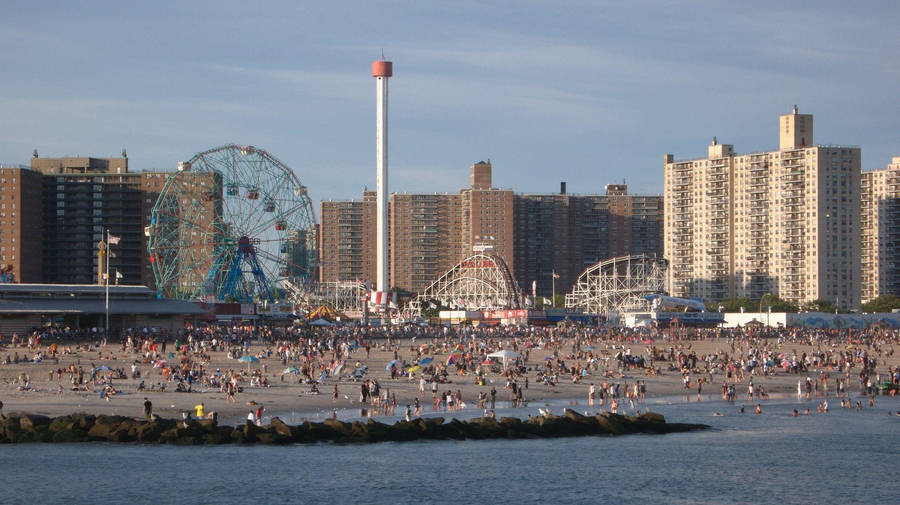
(880, 228)
(785, 222)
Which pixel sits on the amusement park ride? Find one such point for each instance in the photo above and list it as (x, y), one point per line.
(232, 224)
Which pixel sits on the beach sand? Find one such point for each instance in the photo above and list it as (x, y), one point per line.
(289, 396)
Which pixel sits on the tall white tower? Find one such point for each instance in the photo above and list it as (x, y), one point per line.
(381, 71)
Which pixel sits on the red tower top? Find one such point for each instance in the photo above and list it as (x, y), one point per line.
(381, 68)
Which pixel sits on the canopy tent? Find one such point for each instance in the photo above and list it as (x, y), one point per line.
(505, 355)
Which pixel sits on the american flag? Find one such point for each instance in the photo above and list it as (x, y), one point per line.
(114, 240)
(555, 275)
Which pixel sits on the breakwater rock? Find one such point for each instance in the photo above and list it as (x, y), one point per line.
(28, 428)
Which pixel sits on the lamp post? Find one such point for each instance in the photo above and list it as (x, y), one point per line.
(769, 311)
(106, 281)
(552, 289)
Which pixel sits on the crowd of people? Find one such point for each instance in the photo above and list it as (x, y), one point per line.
(613, 364)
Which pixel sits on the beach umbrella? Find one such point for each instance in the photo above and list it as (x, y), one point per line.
(590, 348)
(389, 365)
(159, 364)
(291, 370)
(102, 368)
(487, 362)
(413, 369)
(337, 371)
(425, 361)
(248, 359)
(548, 358)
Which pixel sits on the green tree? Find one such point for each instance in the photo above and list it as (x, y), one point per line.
(559, 301)
(884, 303)
(732, 305)
(820, 305)
(432, 308)
(777, 304)
(751, 305)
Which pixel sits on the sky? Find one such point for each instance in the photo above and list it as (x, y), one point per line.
(588, 92)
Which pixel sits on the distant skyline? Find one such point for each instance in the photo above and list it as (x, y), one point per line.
(583, 91)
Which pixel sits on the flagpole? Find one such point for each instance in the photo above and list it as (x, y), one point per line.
(553, 283)
(107, 285)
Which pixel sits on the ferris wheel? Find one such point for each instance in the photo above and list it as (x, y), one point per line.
(233, 224)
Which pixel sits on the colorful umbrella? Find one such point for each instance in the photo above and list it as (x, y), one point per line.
(425, 361)
(413, 369)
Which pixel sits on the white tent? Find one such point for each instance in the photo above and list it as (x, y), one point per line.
(505, 355)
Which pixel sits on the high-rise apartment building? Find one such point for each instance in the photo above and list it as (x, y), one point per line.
(784, 222)
(426, 237)
(487, 216)
(880, 229)
(84, 197)
(429, 232)
(535, 234)
(20, 225)
(565, 234)
(80, 199)
(347, 239)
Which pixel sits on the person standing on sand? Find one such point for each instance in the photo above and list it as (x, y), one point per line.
(148, 409)
(493, 398)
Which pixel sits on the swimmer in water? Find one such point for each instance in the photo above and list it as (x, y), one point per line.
(758, 409)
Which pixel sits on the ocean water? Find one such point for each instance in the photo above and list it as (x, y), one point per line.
(840, 457)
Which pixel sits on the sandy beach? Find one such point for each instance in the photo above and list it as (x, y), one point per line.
(285, 394)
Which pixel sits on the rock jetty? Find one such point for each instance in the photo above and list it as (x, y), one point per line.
(29, 428)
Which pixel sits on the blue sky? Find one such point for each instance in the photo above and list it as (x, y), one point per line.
(589, 92)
